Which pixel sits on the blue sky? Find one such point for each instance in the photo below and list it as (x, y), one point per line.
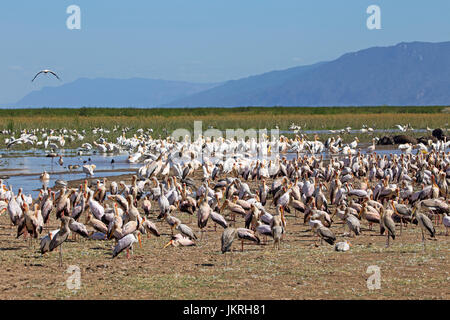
(196, 40)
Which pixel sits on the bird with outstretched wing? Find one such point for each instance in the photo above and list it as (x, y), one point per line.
(45, 71)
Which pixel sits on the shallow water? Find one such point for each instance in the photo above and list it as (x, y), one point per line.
(23, 168)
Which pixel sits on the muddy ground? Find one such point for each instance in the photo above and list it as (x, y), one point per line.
(299, 270)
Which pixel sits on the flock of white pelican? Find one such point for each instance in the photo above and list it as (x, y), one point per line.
(242, 186)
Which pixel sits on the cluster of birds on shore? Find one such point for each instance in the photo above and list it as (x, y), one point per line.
(54, 140)
(247, 197)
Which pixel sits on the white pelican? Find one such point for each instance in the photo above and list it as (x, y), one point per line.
(89, 169)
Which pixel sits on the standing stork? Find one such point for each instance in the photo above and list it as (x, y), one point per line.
(424, 223)
(125, 243)
(203, 213)
(276, 226)
(218, 220)
(61, 236)
(324, 233)
(386, 223)
(228, 236)
(246, 234)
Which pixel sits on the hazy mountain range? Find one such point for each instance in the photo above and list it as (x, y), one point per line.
(101, 92)
(416, 73)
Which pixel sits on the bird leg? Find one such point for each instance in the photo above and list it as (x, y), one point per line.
(423, 241)
(60, 255)
(128, 253)
(242, 245)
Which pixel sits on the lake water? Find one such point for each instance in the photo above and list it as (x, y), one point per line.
(23, 168)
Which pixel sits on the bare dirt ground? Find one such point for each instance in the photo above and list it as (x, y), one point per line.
(299, 270)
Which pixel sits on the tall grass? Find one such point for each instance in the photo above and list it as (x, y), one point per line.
(164, 121)
(244, 121)
(170, 112)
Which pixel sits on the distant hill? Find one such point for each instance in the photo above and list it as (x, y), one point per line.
(103, 92)
(414, 73)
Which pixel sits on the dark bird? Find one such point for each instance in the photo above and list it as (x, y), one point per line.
(228, 236)
(387, 224)
(325, 234)
(424, 223)
(46, 71)
(61, 236)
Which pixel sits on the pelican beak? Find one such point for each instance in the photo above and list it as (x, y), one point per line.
(168, 244)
